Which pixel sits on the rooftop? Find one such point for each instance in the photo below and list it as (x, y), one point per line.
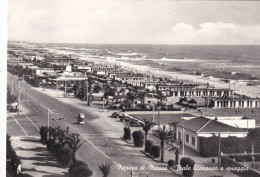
(205, 125)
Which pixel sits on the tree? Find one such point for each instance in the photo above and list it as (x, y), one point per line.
(105, 168)
(175, 147)
(163, 135)
(147, 125)
(142, 96)
(131, 96)
(90, 82)
(74, 142)
(97, 88)
(10, 98)
(192, 101)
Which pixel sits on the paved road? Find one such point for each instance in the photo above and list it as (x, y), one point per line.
(99, 147)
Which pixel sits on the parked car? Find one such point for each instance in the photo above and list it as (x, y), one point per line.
(115, 115)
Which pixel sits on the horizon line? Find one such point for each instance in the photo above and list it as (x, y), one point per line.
(125, 43)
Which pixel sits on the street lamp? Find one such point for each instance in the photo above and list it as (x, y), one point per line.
(158, 108)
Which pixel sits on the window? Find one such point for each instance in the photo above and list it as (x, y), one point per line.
(193, 140)
(179, 135)
(187, 138)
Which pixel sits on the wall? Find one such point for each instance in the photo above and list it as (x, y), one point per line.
(227, 162)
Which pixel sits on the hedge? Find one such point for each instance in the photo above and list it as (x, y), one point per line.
(148, 145)
(171, 163)
(209, 146)
(127, 133)
(155, 151)
(138, 138)
(187, 162)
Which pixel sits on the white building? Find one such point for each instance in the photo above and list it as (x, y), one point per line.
(192, 129)
(236, 121)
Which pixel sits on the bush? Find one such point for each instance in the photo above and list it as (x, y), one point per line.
(187, 162)
(65, 155)
(127, 133)
(77, 163)
(79, 169)
(148, 146)
(209, 146)
(138, 137)
(43, 133)
(171, 163)
(155, 151)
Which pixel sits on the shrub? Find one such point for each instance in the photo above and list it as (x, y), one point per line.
(155, 151)
(65, 155)
(77, 163)
(138, 137)
(43, 133)
(148, 145)
(209, 146)
(127, 133)
(171, 163)
(79, 169)
(187, 162)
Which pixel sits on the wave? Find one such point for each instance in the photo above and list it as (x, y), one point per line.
(180, 60)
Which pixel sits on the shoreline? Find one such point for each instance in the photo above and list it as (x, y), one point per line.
(215, 82)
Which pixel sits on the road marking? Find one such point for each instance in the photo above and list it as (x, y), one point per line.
(32, 122)
(100, 134)
(20, 126)
(97, 148)
(109, 142)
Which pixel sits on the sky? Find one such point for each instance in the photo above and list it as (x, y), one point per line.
(134, 22)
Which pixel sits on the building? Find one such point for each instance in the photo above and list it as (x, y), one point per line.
(232, 102)
(236, 121)
(192, 129)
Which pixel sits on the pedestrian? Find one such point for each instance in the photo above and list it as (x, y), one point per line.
(201, 112)
(252, 111)
(236, 111)
(19, 168)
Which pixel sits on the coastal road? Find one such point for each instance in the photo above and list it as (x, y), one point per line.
(102, 138)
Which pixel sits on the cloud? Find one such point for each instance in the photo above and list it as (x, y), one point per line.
(215, 33)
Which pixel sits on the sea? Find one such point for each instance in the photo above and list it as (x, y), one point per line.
(236, 64)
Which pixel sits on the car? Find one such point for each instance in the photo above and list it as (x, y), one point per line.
(115, 115)
(81, 118)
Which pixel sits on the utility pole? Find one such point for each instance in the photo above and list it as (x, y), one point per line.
(182, 142)
(65, 86)
(19, 96)
(219, 150)
(12, 91)
(87, 93)
(48, 130)
(103, 103)
(159, 116)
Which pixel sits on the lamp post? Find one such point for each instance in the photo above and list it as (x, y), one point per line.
(48, 124)
(159, 107)
(219, 150)
(19, 95)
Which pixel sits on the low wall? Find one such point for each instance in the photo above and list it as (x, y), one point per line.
(238, 168)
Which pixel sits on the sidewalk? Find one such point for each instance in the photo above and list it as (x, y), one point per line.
(37, 161)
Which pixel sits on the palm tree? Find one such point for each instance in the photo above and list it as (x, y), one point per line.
(74, 142)
(105, 168)
(147, 125)
(175, 147)
(163, 135)
(142, 96)
(131, 96)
